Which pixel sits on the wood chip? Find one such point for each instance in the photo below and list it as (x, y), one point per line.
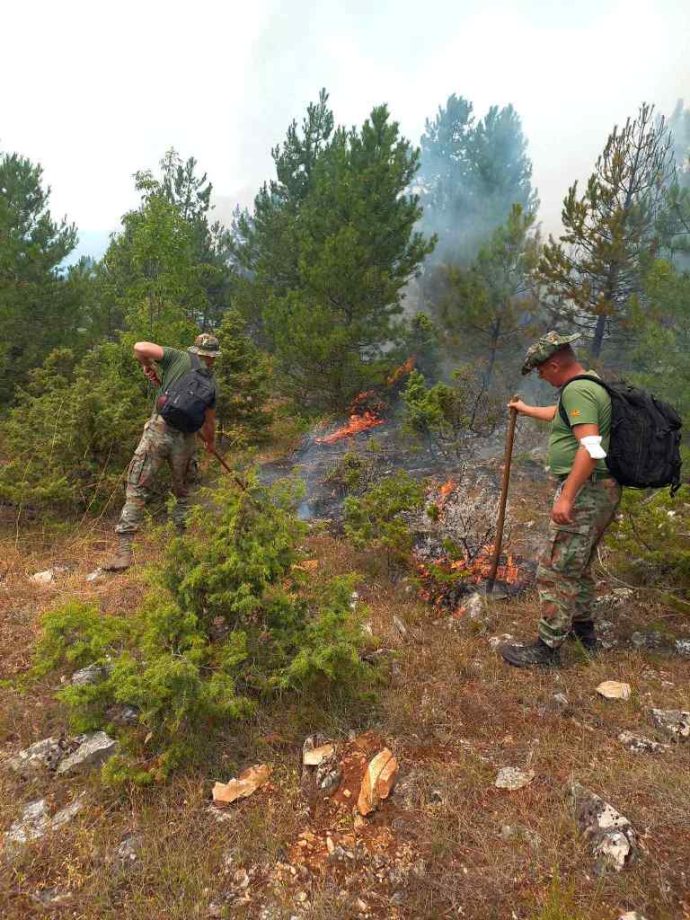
(245, 785)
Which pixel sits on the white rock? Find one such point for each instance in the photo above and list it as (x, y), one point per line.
(95, 575)
(631, 915)
(92, 674)
(94, 750)
(614, 840)
(475, 606)
(614, 690)
(44, 578)
(45, 754)
(682, 647)
(639, 745)
(35, 822)
(513, 778)
(495, 641)
(674, 722)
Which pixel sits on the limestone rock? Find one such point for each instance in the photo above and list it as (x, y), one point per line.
(94, 749)
(44, 578)
(91, 674)
(314, 756)
(45, 754)
(673, 722)
(36, 821)
(245, 785)
(614, 690)
(512, 778)
(475, 606)
(614, 840)
(378, 781)
(639, 745)
(682, 647)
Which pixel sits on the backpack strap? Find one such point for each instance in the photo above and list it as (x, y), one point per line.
(561, 408)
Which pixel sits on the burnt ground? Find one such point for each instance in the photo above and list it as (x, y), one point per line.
(446, 843)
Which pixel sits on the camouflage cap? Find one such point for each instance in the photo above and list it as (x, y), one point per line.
(205, 344)
(543, 349)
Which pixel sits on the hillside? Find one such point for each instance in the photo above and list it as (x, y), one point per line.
(447, 842)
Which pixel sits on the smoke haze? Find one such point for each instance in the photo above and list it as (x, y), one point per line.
(93, 100)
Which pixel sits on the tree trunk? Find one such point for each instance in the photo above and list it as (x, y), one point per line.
(598, 340)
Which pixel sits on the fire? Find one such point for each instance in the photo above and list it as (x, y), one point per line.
(401, 371)
(479, 568)
(356, 423)
(445, 491)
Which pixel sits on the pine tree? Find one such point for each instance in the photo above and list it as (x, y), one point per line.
(39, 308)
(611, 231)
(487, 306)
(471, 175)
(330, 246)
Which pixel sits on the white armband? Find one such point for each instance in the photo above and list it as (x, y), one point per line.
(592, 444)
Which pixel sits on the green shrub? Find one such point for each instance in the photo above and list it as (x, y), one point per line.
(651, 543)
(228, 623)
(377, 518)
(441, 415)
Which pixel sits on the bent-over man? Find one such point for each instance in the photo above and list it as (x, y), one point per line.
(162, 442)
(584, 504)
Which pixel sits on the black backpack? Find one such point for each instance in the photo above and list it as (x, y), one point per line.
(184, 403)
(645, 437)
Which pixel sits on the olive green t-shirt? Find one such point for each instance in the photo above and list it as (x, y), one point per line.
(586, 404)
(173, 365)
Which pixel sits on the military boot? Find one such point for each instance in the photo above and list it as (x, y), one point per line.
(583, 632)
(122, 558)
(538, 654)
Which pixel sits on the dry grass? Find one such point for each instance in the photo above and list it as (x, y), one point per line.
(452, 846)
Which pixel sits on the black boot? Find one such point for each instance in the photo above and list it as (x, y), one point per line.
(583, 632)
(538, 654)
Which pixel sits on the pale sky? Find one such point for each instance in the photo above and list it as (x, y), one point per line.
(95, 91)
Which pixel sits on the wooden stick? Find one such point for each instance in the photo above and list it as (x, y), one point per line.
(510, 437)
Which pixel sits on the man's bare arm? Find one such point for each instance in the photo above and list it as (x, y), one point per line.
(582, 469)
(541, 413)
(208, 429)
(147, 352)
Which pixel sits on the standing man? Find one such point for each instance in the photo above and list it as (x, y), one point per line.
(584, 504)
(161, 441)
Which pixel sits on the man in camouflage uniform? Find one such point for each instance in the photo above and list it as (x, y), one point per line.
(161, 442)
(583, 507)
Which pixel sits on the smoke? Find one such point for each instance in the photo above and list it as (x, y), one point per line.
(472, 172)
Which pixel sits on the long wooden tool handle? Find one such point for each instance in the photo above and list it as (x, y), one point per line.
(242, 485)
(510, 437)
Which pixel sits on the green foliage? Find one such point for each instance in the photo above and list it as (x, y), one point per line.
(331, 244)
(485, 309)
(651, 542)
(229, 623)
(442, 415)
(243, 373)
(40, 306)
(472, 173)
(611, 231)
(377, 518)
(71, 435)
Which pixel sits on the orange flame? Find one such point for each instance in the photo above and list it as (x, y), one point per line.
(355, 424)
(401, 371)
(445, 491)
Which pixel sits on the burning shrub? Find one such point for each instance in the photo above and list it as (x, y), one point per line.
(230, 622)
(378, 518)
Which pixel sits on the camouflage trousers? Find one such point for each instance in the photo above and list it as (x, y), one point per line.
(564, 579)
(159, 443)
